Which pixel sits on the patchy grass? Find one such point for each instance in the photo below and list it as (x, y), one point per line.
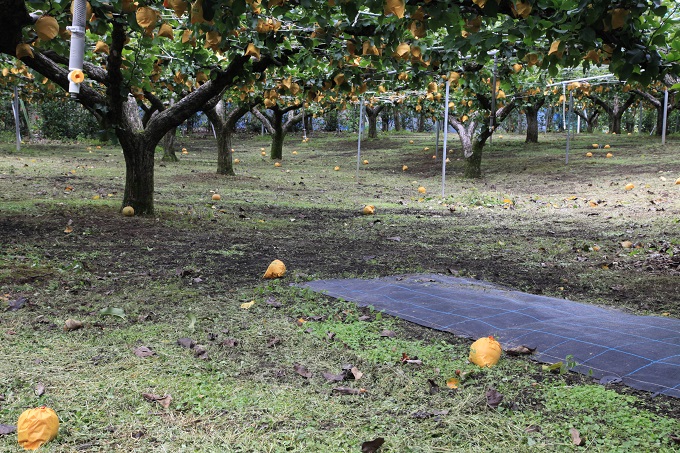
(186, 272)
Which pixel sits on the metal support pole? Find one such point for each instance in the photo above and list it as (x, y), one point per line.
(446, 135)
(564, 106)
(436, 141)
(665, 115)
(361, 129)
(640, 119)
(304, 127)
(568, 125)
(15, 108)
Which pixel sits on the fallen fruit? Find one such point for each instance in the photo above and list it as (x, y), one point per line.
(607, 146)
(404, 167)
(609, 155)
(589, 154)
(184, 151)
(128, 211)
(369, 209)
(336, 168)
(276, 269)
(237, 161)
(595, 145)
(216, 197)
(37, 427)
(630, 186)
(422, 189)
(485, 352)
(365, 162)
(677, 181)
(263, 153)
(277, 164)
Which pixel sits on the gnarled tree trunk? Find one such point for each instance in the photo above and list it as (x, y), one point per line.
(168, 144)
(531, 113)
(372, 115)
(224, 122)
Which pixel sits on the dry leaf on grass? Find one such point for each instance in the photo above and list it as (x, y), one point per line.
(348, 391)
(164, 400)
(72, 324)
(388, 333)
(39, 389)
(7, 429)
(302, 370)
(371, 446)
(15, 305)
(273, 342)
(230, 342)
(186, 343)
(143, 351)
(333, 377)
(494, 398)
(576, 437)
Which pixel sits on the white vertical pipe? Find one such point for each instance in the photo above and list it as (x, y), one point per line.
(446, 134)
(564, 106)
(15, 108)
(665, 115)
(436, 140)
(77, 50)
(568, 125)
(361, 124)
(492, 120)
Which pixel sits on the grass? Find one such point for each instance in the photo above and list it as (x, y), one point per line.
(186, 272)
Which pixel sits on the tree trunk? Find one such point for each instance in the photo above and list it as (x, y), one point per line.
(531, 113)
(225, 164)
(276, 151)
(385, 120)
(548, 119)
(421, 122)
(139, 172)
(615, 122)
(473, 164)
(169, 146)
(372, 126)
(397, 120)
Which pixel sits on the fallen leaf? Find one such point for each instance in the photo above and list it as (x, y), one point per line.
(72, 324)
(452, 383)
(356, 373)
(371, 446)
(494, 398)
(143, 351)
(300, 321)
(200, 352)
(7, 429)
(230, 342)
(674, 437)
(164, 400)
(273, 302)
(118, 312)
(330, 336)
(186, 343)
(39, 389)
(626, 244)
(247, 305)
(192, 321)
(554, 368)
(520, 350)
(395, 239)
(333, 377)
(532, 429)
(388, 333)
(348, 391)
(273, 342)
(576, 437)
(364, 318)
(434, 387)
(17, 304)
(302, 370)
(68, 229)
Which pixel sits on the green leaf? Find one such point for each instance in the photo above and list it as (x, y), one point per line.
(192, 321)
(113, 312)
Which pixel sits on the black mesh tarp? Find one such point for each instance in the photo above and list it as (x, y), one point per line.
(642, 351)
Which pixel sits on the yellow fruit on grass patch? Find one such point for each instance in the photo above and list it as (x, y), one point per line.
(422, 189)
(184, 151)
(607, 146)
(404, 167)
(411, 142)
(609, 155)
(677, 181)
(261, 149)
(294, 153)
(630, 186)
(365, 162)
(595, 145)
(626, 244)
(426, 149)
(128, 211)
(237, 161)
(277, 164)
(336, 168)
(589, 154)
(276, 269)
(263, 153)
(485, 352)
(216, 197)
(369, 209)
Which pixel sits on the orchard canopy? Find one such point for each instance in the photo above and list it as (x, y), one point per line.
(174, 58)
